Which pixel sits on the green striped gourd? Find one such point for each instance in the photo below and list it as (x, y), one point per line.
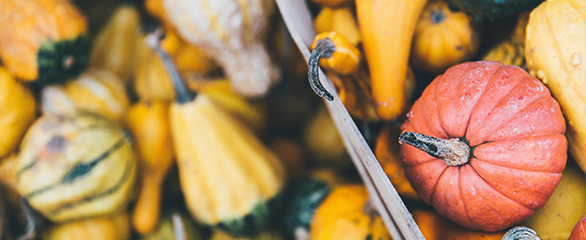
(75, 166)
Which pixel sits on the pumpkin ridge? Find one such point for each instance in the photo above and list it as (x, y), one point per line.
(472, 66)
(510, 197)
(483, 200)
(462, 195)
(432, 195)
(508, 120)
(521, 136)
(510, 167)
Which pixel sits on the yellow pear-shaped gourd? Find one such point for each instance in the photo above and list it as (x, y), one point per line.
(149, 123)
(340, 20)
(76, 166)
(17, 112)
(228, 177)
(97, 91)
(113, 48)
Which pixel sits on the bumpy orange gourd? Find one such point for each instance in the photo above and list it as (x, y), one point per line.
(345, 214)
(148, 120)
(490, 145)
(387, 29)
(43, 40)
(556, 54)
(443, 38)
(17, 112)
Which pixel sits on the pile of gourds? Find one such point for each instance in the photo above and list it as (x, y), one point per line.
(177, 119)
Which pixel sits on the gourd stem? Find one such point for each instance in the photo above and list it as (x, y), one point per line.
(183, 96)
(30, 229)
(454, 152)
(521, 233)
(324, 48)
(178, 227)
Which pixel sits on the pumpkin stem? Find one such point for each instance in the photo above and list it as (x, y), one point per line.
(324, 48)
(454, 152)
(183, 96)
(521, 233)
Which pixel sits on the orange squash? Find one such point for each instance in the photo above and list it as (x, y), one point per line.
(387, 28)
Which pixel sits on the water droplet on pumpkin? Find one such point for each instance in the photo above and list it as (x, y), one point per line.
(515, 131)
(576, 60)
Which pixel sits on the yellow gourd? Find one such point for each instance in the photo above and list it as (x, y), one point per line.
(556, 54)
(151, 79)
(340, 20)
(111, 227)
(113, 48)
(76, 166)
(345, 214)
(148, 121)
(387, 153)
(17, 112)
(97, 91)
(229, 178)
(443, 38)
(232, 33)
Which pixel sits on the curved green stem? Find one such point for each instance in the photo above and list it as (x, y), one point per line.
(183, 96)
(324, 48)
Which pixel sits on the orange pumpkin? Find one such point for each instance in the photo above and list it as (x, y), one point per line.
(485, 145)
